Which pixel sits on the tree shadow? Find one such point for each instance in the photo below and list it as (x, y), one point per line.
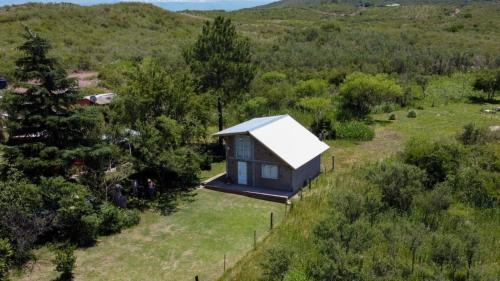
(483, 100)
(378, 122)
(64, 277)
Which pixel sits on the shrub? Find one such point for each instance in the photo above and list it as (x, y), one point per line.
(437, 159)
(273, 77)
(429, 205)
(337, 76)
(276, 264)
(354, 130)
(474, 135)
(75, 213)
(474, 186)
(392, 116)
(131, 218)
(385, 107)
(311, 88)
(411, 114)
(87, 230)
(5, 258)
(111, 219)
(254, 107)
(323, 128)
(64, 261)
(361, 92)
(398, 182)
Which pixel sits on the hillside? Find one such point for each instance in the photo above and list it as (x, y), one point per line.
(88, 37)
(438, 39)
(368, 3)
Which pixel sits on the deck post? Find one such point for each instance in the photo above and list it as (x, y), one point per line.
(271, 222)
(224, 262)
(310, 182)
(255, 239)
(196, 278)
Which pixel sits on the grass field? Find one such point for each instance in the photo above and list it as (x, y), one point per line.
(192, 241)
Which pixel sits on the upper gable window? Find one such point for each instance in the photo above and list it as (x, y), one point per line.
(243, 147)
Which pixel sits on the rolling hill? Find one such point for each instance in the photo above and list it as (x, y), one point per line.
(88, 37)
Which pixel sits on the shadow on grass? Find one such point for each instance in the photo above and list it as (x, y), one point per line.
(378, 122)
(64, 277)
(167, 203)
(483, 100)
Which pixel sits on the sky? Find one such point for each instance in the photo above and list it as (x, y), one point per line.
(172, 5)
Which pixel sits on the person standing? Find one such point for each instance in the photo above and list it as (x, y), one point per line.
(151, 188)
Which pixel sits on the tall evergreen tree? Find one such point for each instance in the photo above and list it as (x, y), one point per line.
(46, 132)
(221, 63)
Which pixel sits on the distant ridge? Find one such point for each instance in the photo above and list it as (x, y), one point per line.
(291, 3)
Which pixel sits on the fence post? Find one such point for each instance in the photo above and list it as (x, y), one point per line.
(333, 162)
(310, 183)
(255, 239)
(271, 222)
(196, 278)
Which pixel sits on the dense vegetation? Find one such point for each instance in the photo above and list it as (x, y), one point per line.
(417, 216)
(420, 215)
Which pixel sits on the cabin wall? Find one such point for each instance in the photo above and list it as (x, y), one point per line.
(260, 155)
(307, 171)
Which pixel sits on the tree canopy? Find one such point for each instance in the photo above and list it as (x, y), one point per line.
(220, 61)
(360, 92)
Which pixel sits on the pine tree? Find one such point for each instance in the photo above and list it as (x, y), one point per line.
(221, 63)
(46, 132)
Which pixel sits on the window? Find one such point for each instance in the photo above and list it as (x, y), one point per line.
(243, 148)
(269, 171)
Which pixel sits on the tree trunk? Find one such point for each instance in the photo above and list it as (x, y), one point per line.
(221, 127)
(221, 117)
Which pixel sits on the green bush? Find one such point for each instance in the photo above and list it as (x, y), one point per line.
(360, 92)
(88, 230)
(428, 205)
(5, 258)
(273, 77)
(438, 159)
(473, 135)
(475, 186)
(311, 88)
(354, 130)
(64, 261)
(276, 264)
(131, 218)
(392, 116)
(322, 128)
(111, 219)
(412, 114)
(398, 182)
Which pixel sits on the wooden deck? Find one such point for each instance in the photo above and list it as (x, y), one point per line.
(217, 183)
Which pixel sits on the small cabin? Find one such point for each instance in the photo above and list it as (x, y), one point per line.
(275, 153)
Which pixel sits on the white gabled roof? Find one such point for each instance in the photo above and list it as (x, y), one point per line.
(284, 136)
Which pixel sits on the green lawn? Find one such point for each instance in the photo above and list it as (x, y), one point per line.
(190, 242)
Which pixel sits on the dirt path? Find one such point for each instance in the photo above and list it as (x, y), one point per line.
(195, 16)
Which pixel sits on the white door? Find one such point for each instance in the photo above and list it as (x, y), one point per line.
(242, 172)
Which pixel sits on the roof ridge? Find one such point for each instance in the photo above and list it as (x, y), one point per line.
(278, 117)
